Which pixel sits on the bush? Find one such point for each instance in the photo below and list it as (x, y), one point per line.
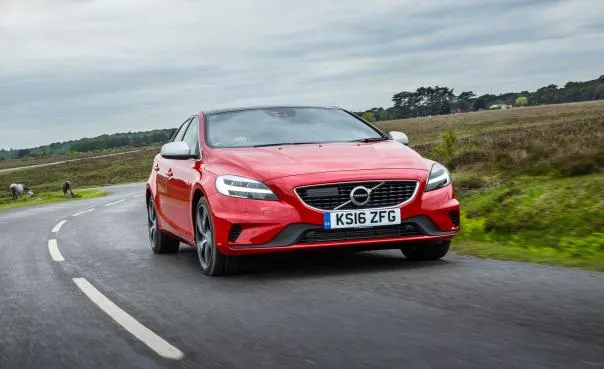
(521, 101)
(447, 147)
(468, 183)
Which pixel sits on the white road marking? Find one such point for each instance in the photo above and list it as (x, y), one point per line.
(58, 226)
(82, 212)
(144, 334)
(115, 202)
(53, 248)
(135, 196)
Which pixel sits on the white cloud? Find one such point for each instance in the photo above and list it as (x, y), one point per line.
(72, 68)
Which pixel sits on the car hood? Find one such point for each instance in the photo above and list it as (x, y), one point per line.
(271, 162)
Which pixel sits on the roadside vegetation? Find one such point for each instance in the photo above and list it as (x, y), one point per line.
(538, 219)
(529, 180)
(27, 161)
(84, 147)
(46, 181)
(49, 197)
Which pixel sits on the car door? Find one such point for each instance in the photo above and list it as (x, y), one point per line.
(165, 185)
(185, 173)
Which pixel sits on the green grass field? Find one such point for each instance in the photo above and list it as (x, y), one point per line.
(529, 179)
(46, 181)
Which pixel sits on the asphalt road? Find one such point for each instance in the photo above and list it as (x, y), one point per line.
(320, 310)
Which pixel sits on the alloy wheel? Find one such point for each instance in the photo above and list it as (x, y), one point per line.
(152, 220)
(203, 237)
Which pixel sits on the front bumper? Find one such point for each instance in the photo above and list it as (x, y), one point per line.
(245, 226)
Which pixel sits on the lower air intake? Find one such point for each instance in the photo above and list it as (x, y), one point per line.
(334, 235)
(454, 215)
(234, 233)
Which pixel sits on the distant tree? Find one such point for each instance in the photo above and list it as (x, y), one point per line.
(423, 101)
(378, 113)
(599, 92)
(23, 153)
(480, 103)
(368, 116)
(521, 101)
(464, 101)
(547, 95)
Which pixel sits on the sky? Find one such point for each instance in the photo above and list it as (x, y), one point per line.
(81, 68)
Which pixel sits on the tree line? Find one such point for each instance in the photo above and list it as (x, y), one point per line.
(103, 142)
(438, 100)
(424, 101)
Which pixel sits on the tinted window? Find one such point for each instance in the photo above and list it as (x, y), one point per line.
(285, 125)
(181, 131)
(192, 136)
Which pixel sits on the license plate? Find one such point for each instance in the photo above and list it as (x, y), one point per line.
(361, 218)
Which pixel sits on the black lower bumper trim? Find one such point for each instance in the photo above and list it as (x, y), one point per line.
(299, 233)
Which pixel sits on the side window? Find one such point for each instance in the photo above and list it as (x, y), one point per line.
(181, 131)
(192, 136)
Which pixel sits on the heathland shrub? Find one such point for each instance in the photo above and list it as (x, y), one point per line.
(448, 145)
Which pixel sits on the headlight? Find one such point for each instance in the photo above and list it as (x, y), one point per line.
(439, 177)
(245, 188)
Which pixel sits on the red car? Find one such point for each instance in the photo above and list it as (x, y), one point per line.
(270, 179)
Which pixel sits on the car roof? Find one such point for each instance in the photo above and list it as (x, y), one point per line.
(227, 110)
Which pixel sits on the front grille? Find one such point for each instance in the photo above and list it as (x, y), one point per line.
(331, 235)
(332, 196)
(454, 215)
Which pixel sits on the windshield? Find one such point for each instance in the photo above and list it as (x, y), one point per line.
(278, 126)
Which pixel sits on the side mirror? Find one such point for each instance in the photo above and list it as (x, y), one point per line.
(399, 137)
(176, 150)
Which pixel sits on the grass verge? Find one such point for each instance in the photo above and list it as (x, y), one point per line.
(536, 219)
(50, 197)
(538, 255)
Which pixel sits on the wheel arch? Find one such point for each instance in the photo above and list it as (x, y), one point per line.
(148, 194)
(198, 193)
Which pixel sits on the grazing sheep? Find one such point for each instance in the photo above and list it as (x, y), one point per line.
(18, 189)
(67, 188)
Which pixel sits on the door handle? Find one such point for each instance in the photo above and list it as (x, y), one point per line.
(169, 173)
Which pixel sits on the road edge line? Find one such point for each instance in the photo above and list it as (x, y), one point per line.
(162, 347)
(53, 249)
(115, 202)
(58, 226)
(82, 212)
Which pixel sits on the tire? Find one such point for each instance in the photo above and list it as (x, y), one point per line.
(212, 261)
(426, 251)
(161, 243)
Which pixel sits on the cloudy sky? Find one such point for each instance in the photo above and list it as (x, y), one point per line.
(75, 68)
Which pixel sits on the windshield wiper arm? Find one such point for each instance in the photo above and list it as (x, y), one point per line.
(371, 139)
(286, 143)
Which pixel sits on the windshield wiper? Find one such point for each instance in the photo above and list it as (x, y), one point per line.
(370, 139)
(286, 143)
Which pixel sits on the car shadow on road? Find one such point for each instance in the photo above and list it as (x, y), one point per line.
(304, 264)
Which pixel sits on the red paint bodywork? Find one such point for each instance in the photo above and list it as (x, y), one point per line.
(283, 168)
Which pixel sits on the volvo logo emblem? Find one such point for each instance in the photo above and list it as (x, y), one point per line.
(360, 195)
